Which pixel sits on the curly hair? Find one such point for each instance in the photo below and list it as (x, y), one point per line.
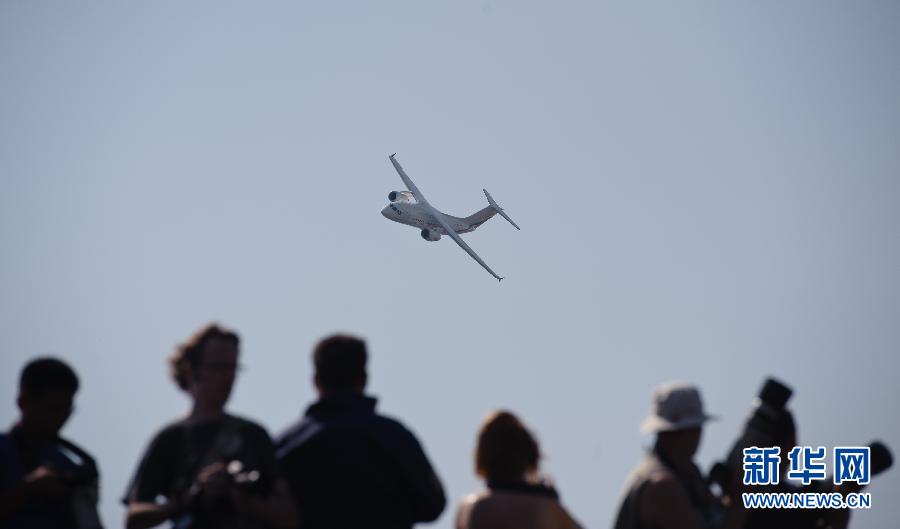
(190, 352)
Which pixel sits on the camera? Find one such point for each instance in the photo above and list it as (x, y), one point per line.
(239, 477)
(246, 481)
(770, 423)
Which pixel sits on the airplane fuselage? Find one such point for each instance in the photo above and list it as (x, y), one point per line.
(417, 216)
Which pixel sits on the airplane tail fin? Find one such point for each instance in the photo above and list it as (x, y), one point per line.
(499, 210)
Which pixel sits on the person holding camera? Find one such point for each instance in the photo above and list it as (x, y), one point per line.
(213, 470)
(667, 490)
(46, 482)
(771, 424)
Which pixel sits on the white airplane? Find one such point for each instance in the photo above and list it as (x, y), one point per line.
(411, 208)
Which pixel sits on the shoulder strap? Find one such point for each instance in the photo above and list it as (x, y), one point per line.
(87, 461)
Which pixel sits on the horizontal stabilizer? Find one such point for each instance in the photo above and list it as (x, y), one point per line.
(499, 209)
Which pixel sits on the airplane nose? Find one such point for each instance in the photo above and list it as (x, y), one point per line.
(385, 211)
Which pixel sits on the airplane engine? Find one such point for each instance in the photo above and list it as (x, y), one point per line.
(429, 235)
(400, 196)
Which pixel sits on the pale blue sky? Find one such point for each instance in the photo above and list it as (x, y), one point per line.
(707, 191)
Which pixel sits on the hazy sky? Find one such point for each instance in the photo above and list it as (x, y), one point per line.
(707, 191)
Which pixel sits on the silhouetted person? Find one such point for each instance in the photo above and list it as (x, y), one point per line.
(784, 435)
(46, 482)
(349, 467)
(507, 459)
(666, 490)
(214, 470)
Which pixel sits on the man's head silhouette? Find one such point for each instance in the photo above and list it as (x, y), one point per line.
(47, 388)
(340, 362)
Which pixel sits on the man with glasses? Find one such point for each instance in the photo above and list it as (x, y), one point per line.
(212, 469)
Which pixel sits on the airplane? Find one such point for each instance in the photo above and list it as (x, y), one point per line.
(411, 208)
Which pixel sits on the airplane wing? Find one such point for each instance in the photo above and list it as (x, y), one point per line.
(406, 180)
(462, 244)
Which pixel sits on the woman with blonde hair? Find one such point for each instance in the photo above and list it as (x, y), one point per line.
(507, 459)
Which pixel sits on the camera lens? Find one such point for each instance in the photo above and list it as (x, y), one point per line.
(774, 393)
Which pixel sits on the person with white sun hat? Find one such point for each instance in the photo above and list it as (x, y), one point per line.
(667, 490)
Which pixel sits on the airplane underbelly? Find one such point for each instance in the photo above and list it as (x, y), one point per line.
(409, 222)
(421, 224)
